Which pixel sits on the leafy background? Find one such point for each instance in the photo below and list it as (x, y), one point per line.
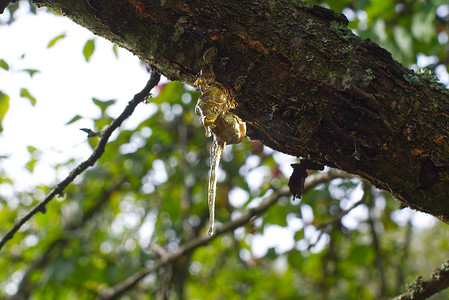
(146, 197)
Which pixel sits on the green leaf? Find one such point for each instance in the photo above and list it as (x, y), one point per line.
(31, 149)
(74, 119)
(423, 25)
(362, 254)
(103, 105)
(26, 94)
(31, 71)
(170, 93)
(35, 154)
(30, 165)
(295, 259)
(55, 40)
(4, 65)
(88, 49)
(114, 49)
(4, 105)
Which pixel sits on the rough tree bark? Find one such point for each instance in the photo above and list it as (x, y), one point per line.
(306, 85)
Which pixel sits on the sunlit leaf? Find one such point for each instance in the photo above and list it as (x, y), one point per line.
(88, 49)
(73, 120)
(4, 105)
(55, 40)
(103, 105)
(31, 71)
(26, 94)
(31, 149)
(170, 93)
(30, 165)
(115, 50)
(4, 64)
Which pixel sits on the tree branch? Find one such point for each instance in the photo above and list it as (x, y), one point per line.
(167, 258)
(307, 86)
(424, 289)
(336, 219)
(128, 283)
(99, 150)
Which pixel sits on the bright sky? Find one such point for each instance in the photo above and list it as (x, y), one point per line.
(64, 88)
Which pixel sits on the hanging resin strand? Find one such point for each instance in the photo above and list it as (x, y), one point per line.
(216, 150)
(213, 107)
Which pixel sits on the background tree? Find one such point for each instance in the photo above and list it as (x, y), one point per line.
(135, 223)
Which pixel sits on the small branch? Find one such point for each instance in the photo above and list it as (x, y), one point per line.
(161, 252)
(25, 286)
(404, 256)
(99, 150)
(424, 289)
(165, 273)
(317, 178)
(375, 240)
(336, 219)
(58, 245)
(268, 201)
(340, 215)
(128, 283)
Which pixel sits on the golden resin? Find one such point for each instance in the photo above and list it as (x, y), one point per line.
(213, 107)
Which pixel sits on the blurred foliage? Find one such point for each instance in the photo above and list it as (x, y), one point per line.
(24, 93)
(4, 105)
(406, 28)
(150, 187)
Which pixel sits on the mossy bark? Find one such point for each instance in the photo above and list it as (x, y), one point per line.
(306, 85)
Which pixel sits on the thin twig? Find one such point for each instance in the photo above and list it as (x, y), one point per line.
(159, 250)
(403, 257)
(99, 150)
(420, 289)
(268, 201)
(375, 240)
(59, 244)
(128, 283)
(322, 227)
